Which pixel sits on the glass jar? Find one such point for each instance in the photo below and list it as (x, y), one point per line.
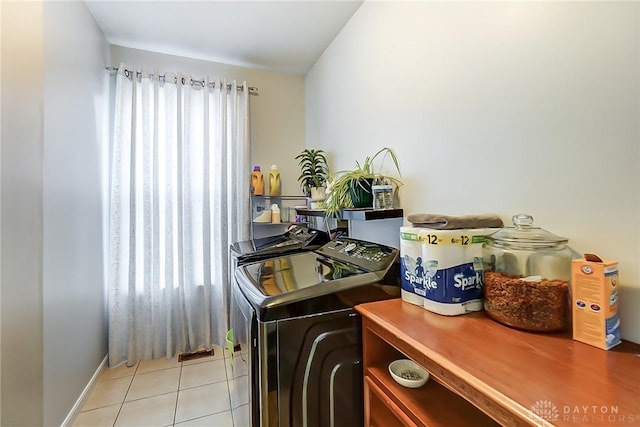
(527, 277)
(382, 196)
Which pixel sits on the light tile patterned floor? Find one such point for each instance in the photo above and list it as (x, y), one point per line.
(161, 393)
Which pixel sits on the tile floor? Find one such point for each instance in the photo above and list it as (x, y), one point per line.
(160, 393)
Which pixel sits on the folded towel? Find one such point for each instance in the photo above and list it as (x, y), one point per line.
(453, 222)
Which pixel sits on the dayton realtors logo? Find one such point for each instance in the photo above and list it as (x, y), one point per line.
(544, 410)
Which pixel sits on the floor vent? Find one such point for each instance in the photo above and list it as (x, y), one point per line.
(195, 355)
(236, 348)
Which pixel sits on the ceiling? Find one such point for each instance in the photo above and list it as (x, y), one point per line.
(283, 36)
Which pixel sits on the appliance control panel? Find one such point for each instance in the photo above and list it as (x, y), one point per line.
(366, 255)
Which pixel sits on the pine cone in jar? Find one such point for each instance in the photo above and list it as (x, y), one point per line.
(532, 303)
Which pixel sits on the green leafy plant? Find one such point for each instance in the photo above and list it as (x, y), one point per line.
(314, 169)
(345, 185)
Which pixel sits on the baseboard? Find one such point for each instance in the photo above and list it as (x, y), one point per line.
(85, 393)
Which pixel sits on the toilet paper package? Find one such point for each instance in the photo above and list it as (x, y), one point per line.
(447, 275)
(410, 264)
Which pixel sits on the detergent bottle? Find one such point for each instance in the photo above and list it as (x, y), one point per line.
(274, 181)
(257, 182)
(275, 214)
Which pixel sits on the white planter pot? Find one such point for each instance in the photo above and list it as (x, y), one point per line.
(318, 193)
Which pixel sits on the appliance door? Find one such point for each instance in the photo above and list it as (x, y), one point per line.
(260, 248)
(244, 383)
(320, 370)
(338, 265)
(276, 283)
(297, 238)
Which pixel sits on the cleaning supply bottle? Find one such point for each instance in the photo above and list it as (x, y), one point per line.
(275, 214)
(274, 181)
(257, 182)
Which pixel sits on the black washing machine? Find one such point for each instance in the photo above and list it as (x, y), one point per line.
(297, 238)
(301, 339)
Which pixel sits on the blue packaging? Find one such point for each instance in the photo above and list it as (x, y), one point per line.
(446, 274)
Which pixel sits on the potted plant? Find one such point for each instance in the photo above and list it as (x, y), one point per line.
(314, 173)
(352, 188)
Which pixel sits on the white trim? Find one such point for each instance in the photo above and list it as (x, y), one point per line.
(76, 408)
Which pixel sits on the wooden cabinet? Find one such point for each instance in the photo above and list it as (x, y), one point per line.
(484, 373)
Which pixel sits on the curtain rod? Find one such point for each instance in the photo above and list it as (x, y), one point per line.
(252, 90)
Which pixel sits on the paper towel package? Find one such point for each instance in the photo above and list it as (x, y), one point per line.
(442, 270)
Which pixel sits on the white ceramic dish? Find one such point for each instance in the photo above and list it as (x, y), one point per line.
(408, 373)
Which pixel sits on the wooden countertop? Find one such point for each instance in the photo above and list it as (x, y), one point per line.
(512, 375)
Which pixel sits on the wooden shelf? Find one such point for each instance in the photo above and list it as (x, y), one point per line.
(501, 371)
(370, 214)
(310, 212)
(430, 405)
(357, 214)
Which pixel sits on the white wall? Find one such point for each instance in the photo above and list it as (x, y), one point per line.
(497, 107)
(21, 395)
(277, 113)
(75, 172)
(53, 155)
(0, 210)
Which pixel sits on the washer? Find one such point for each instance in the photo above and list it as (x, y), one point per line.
(297, 238)
(301, 339)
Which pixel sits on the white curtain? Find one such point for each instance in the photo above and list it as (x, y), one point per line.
(179, 197)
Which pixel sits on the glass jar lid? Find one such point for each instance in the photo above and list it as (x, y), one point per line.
(524, 234)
